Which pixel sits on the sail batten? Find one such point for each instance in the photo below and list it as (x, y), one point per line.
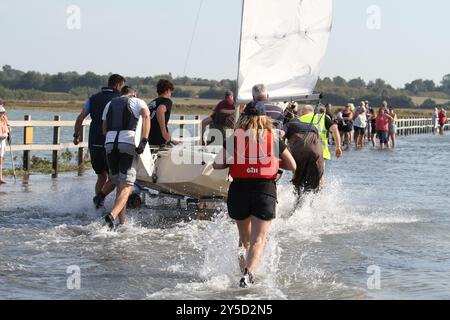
(282, 46)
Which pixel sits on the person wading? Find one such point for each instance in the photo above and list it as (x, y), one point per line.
(442, 118)
(305, 144)
(382, 125)
(323, 123)
(253, 154)
(5, 135)
(120, 120)
(222, 119)
(94, 107)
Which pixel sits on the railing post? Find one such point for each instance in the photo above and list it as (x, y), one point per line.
(181, 128)
(56, 142)
(81, 151)
(199, 130)
(27, 140)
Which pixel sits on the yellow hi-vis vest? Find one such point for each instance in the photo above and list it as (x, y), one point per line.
(319, 123)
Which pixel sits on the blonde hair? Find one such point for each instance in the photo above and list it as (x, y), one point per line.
(257, 124)
(3, 117)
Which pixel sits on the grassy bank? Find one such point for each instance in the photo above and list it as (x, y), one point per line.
(44, 166)
(46, 169)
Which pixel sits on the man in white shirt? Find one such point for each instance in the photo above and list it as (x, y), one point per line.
(120, 120)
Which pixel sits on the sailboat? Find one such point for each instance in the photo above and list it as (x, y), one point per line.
(282, 45)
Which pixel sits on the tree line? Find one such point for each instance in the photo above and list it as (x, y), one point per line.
(31, 85)
(340, 91)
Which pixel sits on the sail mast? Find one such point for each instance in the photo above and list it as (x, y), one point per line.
(238, 111)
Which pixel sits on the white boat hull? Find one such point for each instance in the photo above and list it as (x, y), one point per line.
(195, 179)
(183, 171)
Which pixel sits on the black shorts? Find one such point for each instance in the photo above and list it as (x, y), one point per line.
(98, 159)
(347, 128)
(359, 131)
(242, 205)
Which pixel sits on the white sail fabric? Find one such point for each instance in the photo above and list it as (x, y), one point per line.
(283, 43)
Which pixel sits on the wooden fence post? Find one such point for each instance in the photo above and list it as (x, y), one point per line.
(27, 139)
(56, 141)
(199, 130)
(181, 127)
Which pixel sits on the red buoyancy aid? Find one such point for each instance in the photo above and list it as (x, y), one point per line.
(254, 159)
(442, 118)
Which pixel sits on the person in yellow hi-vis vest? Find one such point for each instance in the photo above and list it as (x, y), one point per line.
(323, 123)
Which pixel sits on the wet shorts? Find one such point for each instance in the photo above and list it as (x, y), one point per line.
(122, 163)
(242, 205)
(2, 147)
(359, 131)
(383, 136)
(98, 159)
(392, 128)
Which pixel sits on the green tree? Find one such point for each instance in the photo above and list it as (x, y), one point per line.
(339, 81)
(357, 83)
(446, 84)
(31, 80)
(428, 104)
(90, 80)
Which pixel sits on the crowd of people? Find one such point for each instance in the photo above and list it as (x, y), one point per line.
(363, 124)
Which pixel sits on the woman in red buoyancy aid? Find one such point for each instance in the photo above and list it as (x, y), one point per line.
(253, 155)
(442, 116)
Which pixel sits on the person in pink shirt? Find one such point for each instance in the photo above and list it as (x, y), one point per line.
(383, 119)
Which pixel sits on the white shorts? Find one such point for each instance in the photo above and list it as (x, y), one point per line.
(2, 147)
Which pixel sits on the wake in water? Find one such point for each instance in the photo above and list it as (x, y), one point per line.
(197, 259)
(289, 257)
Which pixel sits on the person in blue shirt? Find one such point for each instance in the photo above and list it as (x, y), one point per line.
(94, 107)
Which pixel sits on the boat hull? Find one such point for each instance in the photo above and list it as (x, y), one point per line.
(184, 171)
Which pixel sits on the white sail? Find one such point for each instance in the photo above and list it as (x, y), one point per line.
(283, 43)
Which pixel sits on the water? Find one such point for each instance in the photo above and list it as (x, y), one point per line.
(387, 209)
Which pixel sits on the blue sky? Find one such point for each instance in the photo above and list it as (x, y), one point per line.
(148, 37)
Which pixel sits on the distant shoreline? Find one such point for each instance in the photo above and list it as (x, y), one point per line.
(183, 106)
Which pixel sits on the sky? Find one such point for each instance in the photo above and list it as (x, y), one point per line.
(150, 37)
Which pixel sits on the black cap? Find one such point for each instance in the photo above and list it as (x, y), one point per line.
(255, 109)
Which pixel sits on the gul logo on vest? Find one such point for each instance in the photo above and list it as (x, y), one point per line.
(252, 171)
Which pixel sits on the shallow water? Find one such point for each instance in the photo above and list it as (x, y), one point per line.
(386, 209)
